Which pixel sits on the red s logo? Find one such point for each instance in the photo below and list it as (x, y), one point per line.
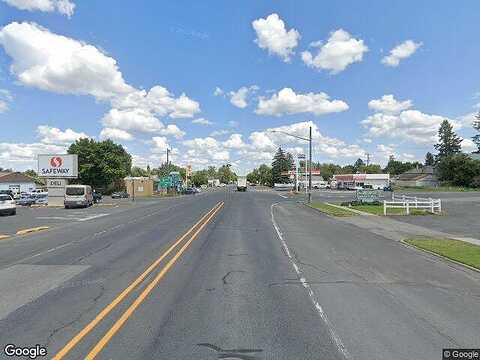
(56, 161)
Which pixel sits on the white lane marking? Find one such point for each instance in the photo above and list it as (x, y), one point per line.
(336, 339)
(93, 217)
(49, 250)
(283, 196)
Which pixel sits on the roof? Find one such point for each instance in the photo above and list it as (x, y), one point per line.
(417, 173)
(15, 177)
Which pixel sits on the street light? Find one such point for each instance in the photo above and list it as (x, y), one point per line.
(309, 139)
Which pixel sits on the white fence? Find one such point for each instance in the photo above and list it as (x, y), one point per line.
(412, 202)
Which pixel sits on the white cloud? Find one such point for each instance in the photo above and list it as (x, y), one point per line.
(234, 142)
(400, 52)
(64, 7)
(340, 51)
(220, 133)
(115, 134)
(5, 99)
(53, 135)
(202, 121)
(132, 120)
(160, 144)
(468, 146)
(388, 104)
(239, 98)
(173, 130)
(273, 36)
(410, 125)
(59, 64)
(3, 106)
(23, 156)
(288, 102)
(218, 92)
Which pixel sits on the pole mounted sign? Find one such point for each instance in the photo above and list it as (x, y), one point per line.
(58, 166)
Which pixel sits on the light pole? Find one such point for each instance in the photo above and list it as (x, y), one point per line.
(309, 139)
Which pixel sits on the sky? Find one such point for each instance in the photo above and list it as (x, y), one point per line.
(214, 80)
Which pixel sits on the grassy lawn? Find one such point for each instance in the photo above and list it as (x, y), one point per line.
(331, 210)
(433, 189)
(378, 210)
(457, 250)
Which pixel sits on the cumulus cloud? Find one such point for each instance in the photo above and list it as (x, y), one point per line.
(23, 156)
(53, 135)
(173, 130)
(132, 120)
(65, 7)
(59, 64)
(234, 142)
(288, 102)
(202, 121)
(468, 146)
(388, 104)
(274, 37)
(220, 133)
(218, 92)
(115, 134)
(239, 98)
(5, 98)
(400, 52)
(340, 51)
(160, 144)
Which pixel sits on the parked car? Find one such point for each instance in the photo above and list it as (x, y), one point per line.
(26, 200)
(7, 205)
(7, 192)
(189, 191)
(97, 197)
(78, 196)
(41, 199)
(388, 188)
(120, 195)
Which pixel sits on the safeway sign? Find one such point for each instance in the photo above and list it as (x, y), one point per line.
(58, 166)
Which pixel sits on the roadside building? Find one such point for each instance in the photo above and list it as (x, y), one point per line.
(213, 182)
(16, 182)
(418, 177)
(350, 181)
(139, 186)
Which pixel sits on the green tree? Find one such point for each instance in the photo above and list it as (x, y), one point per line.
(200, 178)
(102, 163)
(225, 174)
(280, 165)
(476, 126)
(449, 142)
(138, 171)
(359, 164)
(429, 159)
(458, 169)
(212, 172)
(395, 167)
(165, 169)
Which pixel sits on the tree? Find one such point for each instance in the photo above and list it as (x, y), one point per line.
(449, 142)
(226, 175)
(359, 164)
(429, 159)
(476, 126)
(459, 170)
(396, 167)
(102, 163)
(138, 172)
(200, 178)
(280, 165)
(165, 169)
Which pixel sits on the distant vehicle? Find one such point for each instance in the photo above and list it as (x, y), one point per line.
(357, 187)
(367, 186)
(197, 190)
(7, 192)
(388, 188)
(7, 205)
(189, 191)
(78, 196)
(242, 183)
(120, 195)
(97, 197)
(41, 199)
(283, 187)
(26, 200)
(319, 184)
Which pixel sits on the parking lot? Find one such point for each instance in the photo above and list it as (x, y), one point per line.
(33, 217)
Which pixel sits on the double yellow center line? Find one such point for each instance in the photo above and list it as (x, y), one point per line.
(191, 234)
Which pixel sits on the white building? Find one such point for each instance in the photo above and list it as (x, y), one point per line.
(16, 182)
(350, 181)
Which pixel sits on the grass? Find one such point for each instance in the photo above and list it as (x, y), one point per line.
(435, 189)
(378, 210)
(457, 250)
(331, 210)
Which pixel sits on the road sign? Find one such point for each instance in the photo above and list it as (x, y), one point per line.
(56, 183)
(58, 166)
(166, 182)
(367, 196)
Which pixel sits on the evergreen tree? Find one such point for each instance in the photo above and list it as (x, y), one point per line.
(280, 164)
(449, 142)
(476, 126)
(359, 164)
(429, 159)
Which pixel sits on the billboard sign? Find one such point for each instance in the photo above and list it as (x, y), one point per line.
(58, 166)
(367, 196)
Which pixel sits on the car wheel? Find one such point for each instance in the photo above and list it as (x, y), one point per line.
(14, 212)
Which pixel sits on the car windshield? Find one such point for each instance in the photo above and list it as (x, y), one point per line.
(75, 191)
(5, 197)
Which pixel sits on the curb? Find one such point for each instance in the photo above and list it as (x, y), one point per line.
(27, 231)
(321, 212)
(352, 210)
(4, 237)
(439, 256)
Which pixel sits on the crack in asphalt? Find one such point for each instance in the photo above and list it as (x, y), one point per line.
(241, 354)
(224, 278)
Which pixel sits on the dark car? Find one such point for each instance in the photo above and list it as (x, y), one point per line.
(97, 197)
(190, 191)
(387, 188)
(120, 195)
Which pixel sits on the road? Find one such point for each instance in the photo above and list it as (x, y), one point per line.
(257, 276)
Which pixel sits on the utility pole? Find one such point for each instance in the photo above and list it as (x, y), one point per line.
(168, 152)
(368, 159)
(310, 169)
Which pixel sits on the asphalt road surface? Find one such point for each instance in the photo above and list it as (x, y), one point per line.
(229, 275)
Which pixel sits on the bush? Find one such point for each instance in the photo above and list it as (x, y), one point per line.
(475, 182)
(458, 170)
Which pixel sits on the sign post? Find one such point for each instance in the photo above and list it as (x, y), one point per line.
(57, 169)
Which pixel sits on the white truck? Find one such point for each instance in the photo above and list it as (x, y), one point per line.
(242, 183)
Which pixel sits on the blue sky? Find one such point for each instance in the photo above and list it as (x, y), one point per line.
(71, 68)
